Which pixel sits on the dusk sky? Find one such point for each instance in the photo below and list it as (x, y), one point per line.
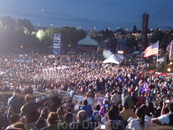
(91, 14)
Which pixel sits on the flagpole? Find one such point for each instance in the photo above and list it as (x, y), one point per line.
(157, 60)
(157, 55)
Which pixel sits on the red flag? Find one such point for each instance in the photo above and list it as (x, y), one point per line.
(168, 47)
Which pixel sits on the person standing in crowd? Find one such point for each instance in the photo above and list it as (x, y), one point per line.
(14, 104)
(128, 99)
(116, 108)
(115, 99)
(104, 108)
(134, 98)
(141, 99)
(124, 93)
(82, 123)
(148, 114)
(165, 118)
(112, 123)
(30, 109)
(96, 116)
(52, 120)
(87, 108)
(68, 119)
(41, 122)
(126, 113)
(13, 119)
(138, 123)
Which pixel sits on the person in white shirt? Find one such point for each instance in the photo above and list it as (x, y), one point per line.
(167, 118)
(115, 99)
(139, 123)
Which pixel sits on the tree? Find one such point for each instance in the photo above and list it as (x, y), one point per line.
(159, 35)
(48, 37)
(25, 25)
(132, 42)
(8, 23)
(120, 31)
(14, 34)
(70, 36)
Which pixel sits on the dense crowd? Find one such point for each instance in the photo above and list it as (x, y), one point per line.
(96, 95)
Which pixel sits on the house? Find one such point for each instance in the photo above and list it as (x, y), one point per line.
(88, 44)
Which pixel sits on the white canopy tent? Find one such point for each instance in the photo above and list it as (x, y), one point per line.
(160, 60)
(112, 59)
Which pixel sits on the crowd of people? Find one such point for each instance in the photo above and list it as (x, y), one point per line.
(98, 96)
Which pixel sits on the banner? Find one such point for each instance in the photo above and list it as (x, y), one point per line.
(171, 51)
(57, 44)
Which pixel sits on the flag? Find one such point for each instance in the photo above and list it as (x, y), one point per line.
(144, 87)
(168, 47)
(152, 50)
(170, 51)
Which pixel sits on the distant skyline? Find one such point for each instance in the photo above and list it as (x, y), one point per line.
(91, 14)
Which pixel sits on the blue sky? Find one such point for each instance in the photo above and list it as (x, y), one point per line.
(91, 14)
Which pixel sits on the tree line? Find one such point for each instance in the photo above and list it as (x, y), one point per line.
(20, 34)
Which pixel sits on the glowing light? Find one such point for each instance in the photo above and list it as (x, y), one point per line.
(38, 34)
(168, 69)
(120, 52)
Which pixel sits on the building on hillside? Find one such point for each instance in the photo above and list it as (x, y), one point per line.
(102, 45)
(121, 45)
(117, 44)
(88, 44)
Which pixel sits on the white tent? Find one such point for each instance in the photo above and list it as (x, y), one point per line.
(160, 60)
(112, 59)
